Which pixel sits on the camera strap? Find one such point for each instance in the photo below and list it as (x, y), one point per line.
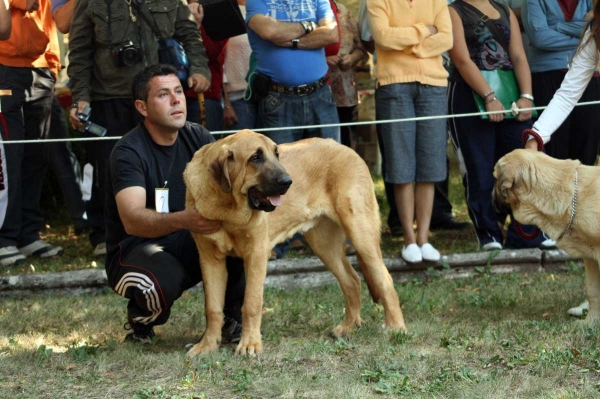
(153, 25)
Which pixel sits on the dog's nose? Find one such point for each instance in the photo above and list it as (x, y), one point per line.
(284, 181)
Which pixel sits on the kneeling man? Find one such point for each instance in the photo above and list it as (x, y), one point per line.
(151, 257)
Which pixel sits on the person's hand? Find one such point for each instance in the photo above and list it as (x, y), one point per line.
(197, 224)
(75, 122)
(531, 144)
(495, 105)
(432, 29)
(524, 115)
(332, 60)
(197, 12)
(346, 62)
(229, 116)
(198, 83)
(31, 5)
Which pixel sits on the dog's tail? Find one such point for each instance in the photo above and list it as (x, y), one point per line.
(375, 294)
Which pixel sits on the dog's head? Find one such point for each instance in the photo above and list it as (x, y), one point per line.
(529, 183)
(247, 164)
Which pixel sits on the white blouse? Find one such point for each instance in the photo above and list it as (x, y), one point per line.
(571, 89)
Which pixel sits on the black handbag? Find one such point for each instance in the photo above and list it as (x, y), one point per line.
(222, 19)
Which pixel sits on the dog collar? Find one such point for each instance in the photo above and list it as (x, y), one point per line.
(573, 207)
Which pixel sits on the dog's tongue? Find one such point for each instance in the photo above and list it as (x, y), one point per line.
(275, 200)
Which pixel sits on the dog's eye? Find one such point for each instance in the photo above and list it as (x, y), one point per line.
(276, 153)
(257, 157)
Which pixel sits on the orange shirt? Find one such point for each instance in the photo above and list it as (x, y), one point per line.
(33, 41)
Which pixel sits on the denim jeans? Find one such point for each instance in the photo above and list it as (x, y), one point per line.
(285, 110)
(414, 151)
(246, 114)
(213, 109)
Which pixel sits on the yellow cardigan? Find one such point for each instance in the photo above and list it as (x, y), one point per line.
(406, 49)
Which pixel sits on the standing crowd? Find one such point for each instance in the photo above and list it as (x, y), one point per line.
(293, 70)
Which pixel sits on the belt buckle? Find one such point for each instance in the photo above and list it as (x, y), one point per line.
(302, 90)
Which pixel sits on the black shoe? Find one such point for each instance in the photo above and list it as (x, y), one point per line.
(140, 333)
(397, 230)
(231, 331)
(450, 224)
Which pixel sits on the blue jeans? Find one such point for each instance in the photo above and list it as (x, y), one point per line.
(213, 109)
(285, 110)
(414, 151)
(246, 114)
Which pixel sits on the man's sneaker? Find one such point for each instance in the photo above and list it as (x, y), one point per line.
(231, 331)
(548, 244)
(139, 333)
(10, 256)
(100, 249)
(42, 249)
(491, 246)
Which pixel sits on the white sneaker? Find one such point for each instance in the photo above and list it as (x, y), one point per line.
(42, 249)
(100, 249)
(428, 252)
(490, 246)
(547, 244)
(412, 254)
(577, 311)
(10, 255)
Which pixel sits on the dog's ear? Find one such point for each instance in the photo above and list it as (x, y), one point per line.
(219, 169)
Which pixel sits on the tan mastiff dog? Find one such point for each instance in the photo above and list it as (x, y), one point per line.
(561, 197)
(240, 180)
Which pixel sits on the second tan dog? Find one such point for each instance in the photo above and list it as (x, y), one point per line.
(561, 198)
(241, 178)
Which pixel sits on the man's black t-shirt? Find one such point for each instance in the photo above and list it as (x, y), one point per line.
(137, 161)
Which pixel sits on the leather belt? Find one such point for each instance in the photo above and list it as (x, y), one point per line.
(302, 90)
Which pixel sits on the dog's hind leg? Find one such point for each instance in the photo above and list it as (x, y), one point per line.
(363, 231)
(592, 289)
(327, 240)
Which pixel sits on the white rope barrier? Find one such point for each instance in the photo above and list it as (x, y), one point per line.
(513, 110)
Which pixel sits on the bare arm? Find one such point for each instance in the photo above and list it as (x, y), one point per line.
(275, 31)
(518, 58)
(143, 222)
(467, 68)
(5, 24)
(325, 34)
(64, 16)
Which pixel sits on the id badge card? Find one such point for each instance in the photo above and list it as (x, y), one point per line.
(161, 200)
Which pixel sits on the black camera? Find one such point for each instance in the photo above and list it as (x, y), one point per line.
(129, 53)
(84, 116)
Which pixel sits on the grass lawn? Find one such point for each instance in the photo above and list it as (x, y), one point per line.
(502, 336)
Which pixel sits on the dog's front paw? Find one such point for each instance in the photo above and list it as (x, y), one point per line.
(249, 346)
(204, 347)
(346, 328)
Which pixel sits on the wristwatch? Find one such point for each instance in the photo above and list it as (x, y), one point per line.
(295, 43)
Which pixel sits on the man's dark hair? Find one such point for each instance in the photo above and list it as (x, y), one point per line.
(139, 86)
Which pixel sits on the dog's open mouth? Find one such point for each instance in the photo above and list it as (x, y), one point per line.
(261, 201)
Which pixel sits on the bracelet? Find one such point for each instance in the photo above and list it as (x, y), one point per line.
(308, 27)
(74, 105)
(227, 106)
(489, 93)
(527, 96)
(535, 135)
(491, 100)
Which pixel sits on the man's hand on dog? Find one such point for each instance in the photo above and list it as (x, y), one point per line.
(195, 223)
